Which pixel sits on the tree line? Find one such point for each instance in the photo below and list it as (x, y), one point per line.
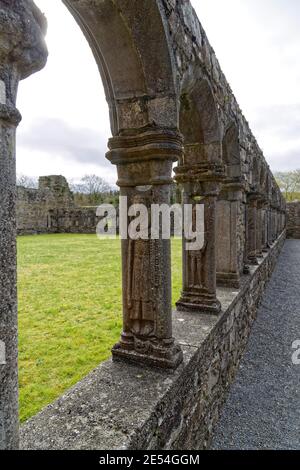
(92, 190)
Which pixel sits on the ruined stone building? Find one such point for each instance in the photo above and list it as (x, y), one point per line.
(51, 209)
(169, 102)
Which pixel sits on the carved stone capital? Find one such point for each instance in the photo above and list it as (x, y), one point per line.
(22, 43)
(233, 189)
(252, 198)
(201, 173)
(145, 158)
(9, 114)
(202, 189)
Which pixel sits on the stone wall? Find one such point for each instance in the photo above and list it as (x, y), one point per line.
(131, 407)
(293, 221)
(51, 209)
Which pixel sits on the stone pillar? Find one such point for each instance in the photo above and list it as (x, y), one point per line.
(9, 119)
(144, 162)
(22, 52)
(277, 223)
(265, 229)
(259, 229)
(270, 239)
(201, 186)
(252, 229)
(230, 234)
(273, 225)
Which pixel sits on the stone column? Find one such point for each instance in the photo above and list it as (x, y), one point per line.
(270, 239)
(252, 229)
(144, 162)
(265, 229)
(9, 119)
(201, 186)
(259, 229)
(22, 52)
(230, 234)
(277, 223)
(273, 225)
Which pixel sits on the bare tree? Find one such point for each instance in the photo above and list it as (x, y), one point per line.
(92, 186)
(27, 181)
(289, 183)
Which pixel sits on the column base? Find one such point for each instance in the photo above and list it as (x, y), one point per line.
(253, 261)
(198, 303)
(162, 354)
(228, 280)
(246, 269)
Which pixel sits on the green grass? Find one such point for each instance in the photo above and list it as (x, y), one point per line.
(69, 311)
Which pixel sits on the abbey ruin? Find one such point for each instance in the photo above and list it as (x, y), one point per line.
(51, 209)
(169, 102)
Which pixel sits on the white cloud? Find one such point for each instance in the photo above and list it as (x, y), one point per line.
(257, 43)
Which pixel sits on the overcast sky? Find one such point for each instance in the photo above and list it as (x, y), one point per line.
(65, 123)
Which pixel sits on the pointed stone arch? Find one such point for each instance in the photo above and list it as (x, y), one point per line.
(199, 124)
(138, 71)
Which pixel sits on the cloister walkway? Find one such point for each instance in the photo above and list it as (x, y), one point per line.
(263, 407)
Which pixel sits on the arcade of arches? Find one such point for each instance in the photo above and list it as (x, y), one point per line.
(169, 102)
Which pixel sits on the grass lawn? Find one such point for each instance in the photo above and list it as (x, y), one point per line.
(69, 311)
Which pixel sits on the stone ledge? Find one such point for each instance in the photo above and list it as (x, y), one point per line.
(121, 406)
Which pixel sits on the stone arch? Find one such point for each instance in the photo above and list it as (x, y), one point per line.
(137, 73)
(200, 173)
(139, 79)
(255, 170)
(263, 176)
(231, 213)
(199, 124)
(231, 153)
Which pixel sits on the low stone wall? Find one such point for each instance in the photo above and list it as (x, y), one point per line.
(120, 406)
(293, 224)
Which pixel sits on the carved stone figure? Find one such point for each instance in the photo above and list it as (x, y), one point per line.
(140, 302)
(196, 268)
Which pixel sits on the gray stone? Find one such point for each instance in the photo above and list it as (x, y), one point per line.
(293, 221)
(169, 101)
(22, 52)
(51, 209)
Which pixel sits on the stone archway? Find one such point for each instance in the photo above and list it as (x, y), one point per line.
(134, 60)
(200, 173)
(136, 66)
(149, 53)
(231, 213)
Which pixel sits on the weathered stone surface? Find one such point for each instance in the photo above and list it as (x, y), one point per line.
(22, 52)
(169, 101)
(144, 164)
(293, 220)
(131, 407)
(51, 209)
